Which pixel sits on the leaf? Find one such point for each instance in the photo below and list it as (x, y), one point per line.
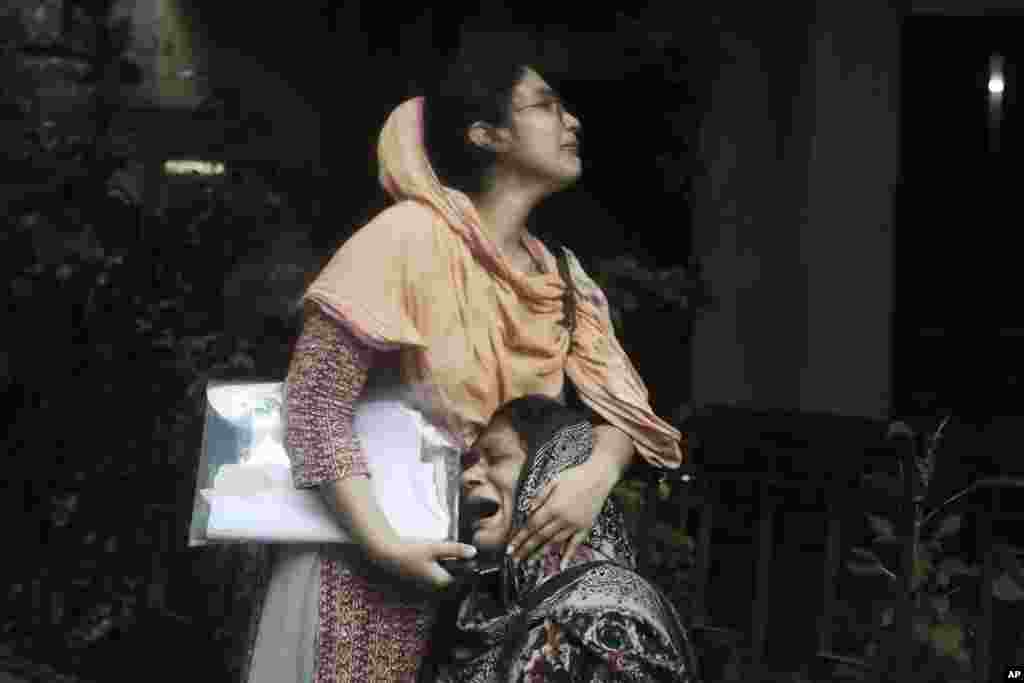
(947, 639)
(635, 484)
(681, 539)
(922, 567)
(1006, 589)
(881, 526)
(867, 569)
(630, 499)
(866, 555)
(950, 525)
(674, 537)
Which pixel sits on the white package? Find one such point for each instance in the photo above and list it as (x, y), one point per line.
(244, 489)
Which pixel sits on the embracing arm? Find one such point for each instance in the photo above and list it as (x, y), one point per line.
(613, 451)
(565, 511)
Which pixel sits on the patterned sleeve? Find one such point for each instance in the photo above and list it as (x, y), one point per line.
(328, 370)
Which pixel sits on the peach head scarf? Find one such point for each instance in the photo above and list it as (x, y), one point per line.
(424, 279)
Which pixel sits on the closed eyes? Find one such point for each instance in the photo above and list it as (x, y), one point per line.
(472, 457)
(554, 105)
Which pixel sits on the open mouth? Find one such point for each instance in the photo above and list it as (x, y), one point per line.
(476, 510)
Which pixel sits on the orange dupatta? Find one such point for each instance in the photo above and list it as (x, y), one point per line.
(423, 278)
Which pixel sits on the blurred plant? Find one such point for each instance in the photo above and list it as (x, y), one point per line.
(131, 329)
(942, 630)
(652, 511)
(81, 80)
(147, 335)
(631, 286)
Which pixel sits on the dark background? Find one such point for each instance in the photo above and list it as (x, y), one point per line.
(958, 324)
(623, 112)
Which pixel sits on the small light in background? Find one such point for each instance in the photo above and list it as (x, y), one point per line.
(996, 84)
(193, 167)
(996, 78)
(996, 89)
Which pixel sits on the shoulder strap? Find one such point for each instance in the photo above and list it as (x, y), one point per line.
(569, 298)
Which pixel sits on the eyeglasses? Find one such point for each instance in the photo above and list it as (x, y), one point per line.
(559, 107)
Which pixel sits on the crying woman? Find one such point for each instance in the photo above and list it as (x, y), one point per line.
(537, 619)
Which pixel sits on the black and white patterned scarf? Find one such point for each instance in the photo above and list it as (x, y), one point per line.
(596, 620)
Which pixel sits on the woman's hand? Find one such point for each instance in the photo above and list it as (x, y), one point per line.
(566, 509)
(353, 501)
(418, 561)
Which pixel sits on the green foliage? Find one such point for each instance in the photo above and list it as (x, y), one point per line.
(630, 495)
(656, 516)
(112, 340)
(943, 627)
(933, 581)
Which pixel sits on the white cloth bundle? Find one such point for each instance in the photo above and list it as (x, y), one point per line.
(244, 489)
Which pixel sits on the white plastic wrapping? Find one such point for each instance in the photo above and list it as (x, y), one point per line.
(244, 489)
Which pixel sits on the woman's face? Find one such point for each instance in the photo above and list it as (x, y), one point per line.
(490, 473)
(541, 144)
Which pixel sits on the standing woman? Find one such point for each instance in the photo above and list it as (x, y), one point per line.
(448, 287)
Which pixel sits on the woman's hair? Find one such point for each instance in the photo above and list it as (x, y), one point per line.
(536, 419)
(477, 86)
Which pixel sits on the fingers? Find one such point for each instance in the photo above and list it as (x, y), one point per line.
(528, 534)
(537, 520)
(450, 549)
(571, 547)
(559, 539)
(541, 537)
(438, 577)
(419, 562)
(545, 493)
